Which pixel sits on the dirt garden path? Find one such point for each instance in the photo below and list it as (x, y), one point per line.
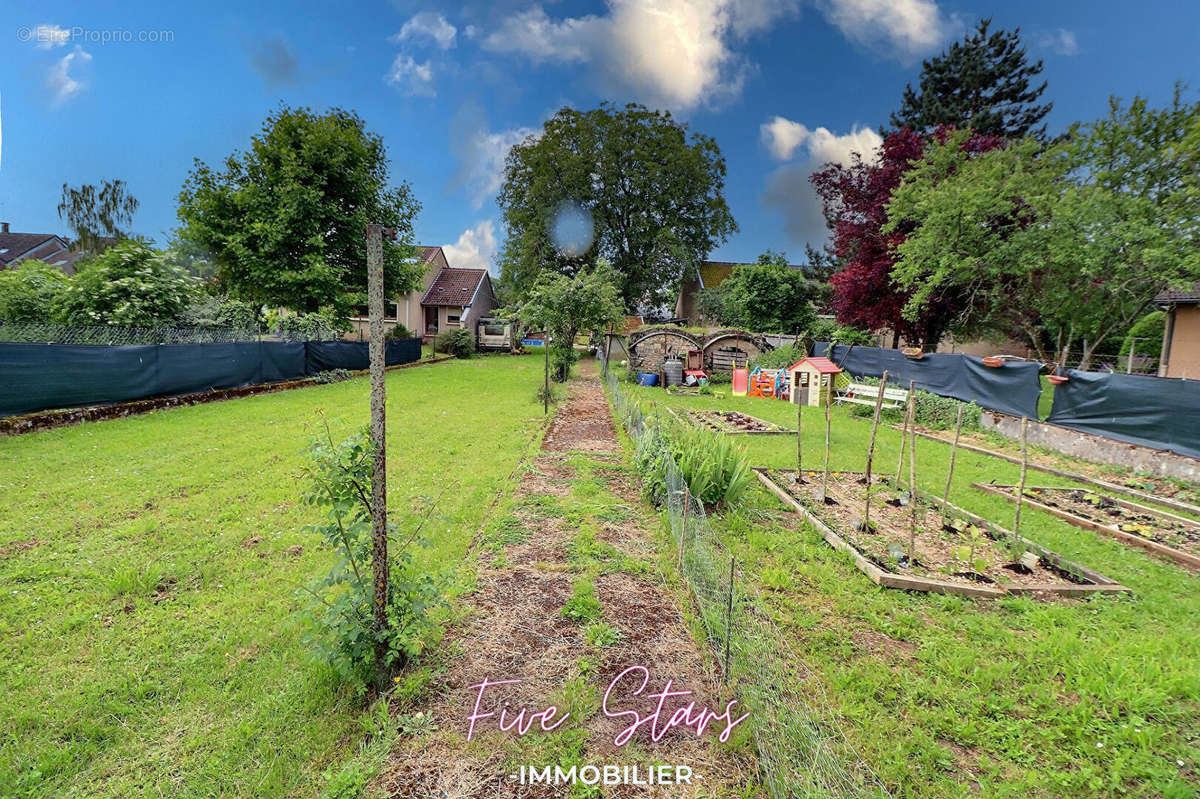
(576, 517)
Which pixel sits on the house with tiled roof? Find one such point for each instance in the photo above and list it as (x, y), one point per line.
(447, 297)
(1181, 336)
(48, 247)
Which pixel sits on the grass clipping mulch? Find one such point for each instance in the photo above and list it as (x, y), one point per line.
(517, 631)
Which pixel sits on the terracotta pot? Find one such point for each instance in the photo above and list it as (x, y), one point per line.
(1057, 380)
(993, 361)
(916, 353)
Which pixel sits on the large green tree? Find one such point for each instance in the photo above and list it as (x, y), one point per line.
(654, 194)
(128, 285)
(984, 82)
(767, 297)
(98, 215)
(1076, 239)
(286, 220)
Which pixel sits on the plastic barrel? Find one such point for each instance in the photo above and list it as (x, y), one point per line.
(647, 379)
(673, 370)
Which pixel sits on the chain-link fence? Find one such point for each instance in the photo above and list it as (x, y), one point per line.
(801, 749)
(113, 336)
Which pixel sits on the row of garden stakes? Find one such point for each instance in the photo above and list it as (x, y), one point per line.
(911, 436)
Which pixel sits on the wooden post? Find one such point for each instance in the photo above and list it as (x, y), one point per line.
(1021, 484)
(729, 620)
(379, 553)
(828, 402)
(871, 450)
(1129, 362)
(546, 385)
(953, 453)
(607, 350)
(908, 419)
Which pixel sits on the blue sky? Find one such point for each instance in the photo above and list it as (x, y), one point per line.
(137, 90)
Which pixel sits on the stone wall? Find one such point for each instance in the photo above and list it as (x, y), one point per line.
(1097, 449)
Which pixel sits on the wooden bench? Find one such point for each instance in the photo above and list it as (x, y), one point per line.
(863, 394)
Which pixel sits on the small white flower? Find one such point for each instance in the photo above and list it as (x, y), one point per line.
(1179, 763)
(1099, 745)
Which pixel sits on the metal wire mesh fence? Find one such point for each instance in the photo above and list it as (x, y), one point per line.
(113, 336)
(801, 749)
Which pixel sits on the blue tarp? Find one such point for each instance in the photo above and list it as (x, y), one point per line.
(36, 377)
(1158, 412)
(1013, 388)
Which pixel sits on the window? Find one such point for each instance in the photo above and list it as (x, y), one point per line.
(452, 318)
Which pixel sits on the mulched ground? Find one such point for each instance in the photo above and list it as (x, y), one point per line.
(1097, 507)
(516, 631)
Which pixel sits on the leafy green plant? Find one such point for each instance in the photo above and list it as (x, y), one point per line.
(342, 608)
(600, 634)
(780, 357)
(29, 290)
(415, 725)
(400, 333)
(583, 605)
(130, 285)
(456, 341)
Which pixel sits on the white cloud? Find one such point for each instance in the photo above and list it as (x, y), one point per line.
(47, 36)
(411, 77)
(674, 53)
(486, 163)
(474, 248)
(789, 190)
(1060, 41)
(63, 86)
(909, 27)
(430, 25)
(783, 137)
(481, 152)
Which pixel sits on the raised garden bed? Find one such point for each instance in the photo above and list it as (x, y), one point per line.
(1166, 534)
(956, 552)
(1155, 491)
(735, 422)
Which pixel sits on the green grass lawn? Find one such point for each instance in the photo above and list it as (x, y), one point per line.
(951, 697)
(149, 568)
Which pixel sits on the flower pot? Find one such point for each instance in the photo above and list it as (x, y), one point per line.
(1057, 380)
(993, 361)
(916, 353)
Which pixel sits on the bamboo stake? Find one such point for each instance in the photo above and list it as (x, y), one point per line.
(908, 419)
(953, 453)
(871, 450)
(828, 402)
(1021, 484)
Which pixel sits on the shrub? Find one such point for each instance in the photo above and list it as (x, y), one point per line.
(29, 290)
(130, 285)
(210, 310)
(311, 326)
(331, 376)
(780, 357)
(1149, 334)
(940, 413)
(831, 331)
(400, 333)
(456, 341)
(339, 479)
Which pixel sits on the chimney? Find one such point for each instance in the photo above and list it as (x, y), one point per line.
(3, 227)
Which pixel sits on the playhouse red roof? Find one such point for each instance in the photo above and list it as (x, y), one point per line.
(822, 365)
